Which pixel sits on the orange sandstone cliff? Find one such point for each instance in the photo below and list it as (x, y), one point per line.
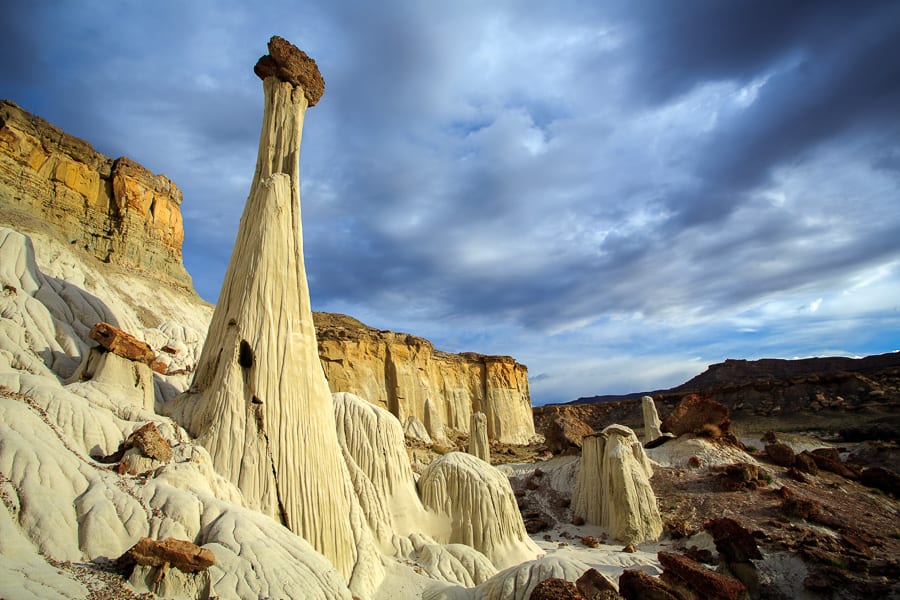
(407, 376)
(114, 209)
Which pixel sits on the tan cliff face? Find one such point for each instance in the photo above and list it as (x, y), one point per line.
(116, 210)
(400, 372)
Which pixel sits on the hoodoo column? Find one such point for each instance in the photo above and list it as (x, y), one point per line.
(259, 401)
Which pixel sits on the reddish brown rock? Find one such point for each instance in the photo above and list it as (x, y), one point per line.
(828, 459)
(122, 343)
(806, 463)
(590, 541)
(678, 529)
(564, 433)
(592, 583)
(288, 63)
(742, 472)
(181, 554)
(150, 442)
(681, 570)
(637, 585)
(159, 366)
(797, 475)
(781, 454)
(881, 478)
(734, 543)
(556, 589)
(798, 507)
(700, 416)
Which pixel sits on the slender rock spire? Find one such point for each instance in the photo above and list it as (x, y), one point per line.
(478, 437)
(259, 401)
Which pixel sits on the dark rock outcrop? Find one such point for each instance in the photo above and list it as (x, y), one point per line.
(292, 65)
(681, 571)
(700, 416)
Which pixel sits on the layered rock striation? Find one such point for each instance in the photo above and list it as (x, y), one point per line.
(405, 374)
(114, 209)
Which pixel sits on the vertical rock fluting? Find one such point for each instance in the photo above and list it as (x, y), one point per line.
(259, 401)
(613, 487)
(651, 419)
(481, 506)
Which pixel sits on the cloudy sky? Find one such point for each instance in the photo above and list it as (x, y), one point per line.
(616, 193)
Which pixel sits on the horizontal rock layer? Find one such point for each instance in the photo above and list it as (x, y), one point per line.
(114, 209)
(399, 372)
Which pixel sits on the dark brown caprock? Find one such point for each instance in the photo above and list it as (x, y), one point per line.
(288, 63)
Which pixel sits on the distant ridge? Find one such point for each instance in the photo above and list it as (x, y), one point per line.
(733, 372)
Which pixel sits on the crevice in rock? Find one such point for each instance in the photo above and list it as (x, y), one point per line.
(245, 355)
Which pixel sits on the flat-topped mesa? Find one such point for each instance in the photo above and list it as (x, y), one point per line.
(259, 401)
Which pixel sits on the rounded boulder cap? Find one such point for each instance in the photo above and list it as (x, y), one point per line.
(288, 63)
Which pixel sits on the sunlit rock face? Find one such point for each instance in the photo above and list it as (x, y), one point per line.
(259, 401)
(114, 209)
(407, 376)
(613, 487)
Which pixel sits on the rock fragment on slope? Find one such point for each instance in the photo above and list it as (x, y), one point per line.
(613, 486)
(122, 343)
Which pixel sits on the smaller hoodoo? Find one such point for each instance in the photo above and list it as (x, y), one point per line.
(613, 487)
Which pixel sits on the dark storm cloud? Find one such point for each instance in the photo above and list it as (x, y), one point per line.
(829, 69)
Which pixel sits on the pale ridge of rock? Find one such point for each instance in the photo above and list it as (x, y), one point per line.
(516, 582)
(613, 487)
(478, 438)
(373, 442)
(652, 422)
(24, 573)
(481, 506)
(453, 563)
